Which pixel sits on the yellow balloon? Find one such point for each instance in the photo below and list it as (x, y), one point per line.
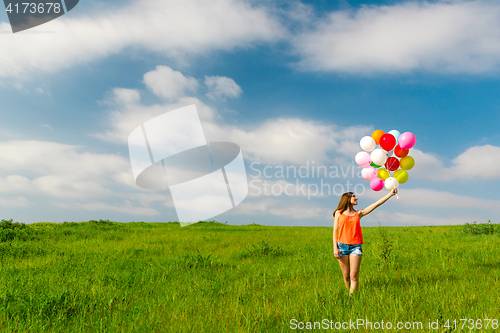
(383, 174)
(407, 162)
(401, 176)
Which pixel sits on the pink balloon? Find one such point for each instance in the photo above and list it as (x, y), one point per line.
(376, 184)
(363, 158)
(369, 173)
(407, 140)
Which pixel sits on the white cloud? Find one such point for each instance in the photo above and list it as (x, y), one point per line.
(279, 141)
(128, 116)
(14, 202)
(126, 208)
(63, 187)
(428, 166)
(145, 199)
(222, 87)
(169, 84)
(123, 96)
(278, 208)
(295, 141)
(349, 147)
(287, 140)
(443, 36)
(260, 207)
(70, 179)
(403, 219)
(173, 28)
(297, 12)
(432, 198)
(58, 170)
(15, 183)
(441, 208)
(276, 141)
(477, 162)
(299, 212)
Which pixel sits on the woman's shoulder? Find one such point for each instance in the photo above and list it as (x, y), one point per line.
(349, 215)
(337, 213)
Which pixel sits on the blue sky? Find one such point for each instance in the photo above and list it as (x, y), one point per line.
(304, 81)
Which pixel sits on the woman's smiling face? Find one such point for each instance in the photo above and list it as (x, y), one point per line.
(354, 200)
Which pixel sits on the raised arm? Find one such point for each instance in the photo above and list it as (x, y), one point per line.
(370, 208)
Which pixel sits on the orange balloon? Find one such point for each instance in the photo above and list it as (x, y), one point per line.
(377, 135)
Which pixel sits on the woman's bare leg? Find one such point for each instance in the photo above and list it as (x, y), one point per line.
(344, 266)
(354, 272)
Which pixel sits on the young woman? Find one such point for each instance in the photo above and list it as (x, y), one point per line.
(347, 237)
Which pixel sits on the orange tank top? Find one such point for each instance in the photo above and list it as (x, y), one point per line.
(349, 229)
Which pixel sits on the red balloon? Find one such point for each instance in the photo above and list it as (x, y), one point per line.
(400, 152)
(392, 164)
(387, 141)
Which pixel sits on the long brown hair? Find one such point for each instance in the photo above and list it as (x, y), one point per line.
(345, 203)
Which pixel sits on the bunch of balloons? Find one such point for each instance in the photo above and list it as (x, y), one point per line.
(378, 163)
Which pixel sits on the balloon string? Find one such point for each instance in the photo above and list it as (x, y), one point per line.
(392, 180)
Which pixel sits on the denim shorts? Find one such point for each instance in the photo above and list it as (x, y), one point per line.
(346, 249)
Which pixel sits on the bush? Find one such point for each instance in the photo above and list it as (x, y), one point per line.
(72, 224)
(14, 230)
(209, 223)
(8, 224)
(101, 222)
(479, 229)
(7, 235)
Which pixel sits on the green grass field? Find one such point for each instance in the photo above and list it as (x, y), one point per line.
(101, 276)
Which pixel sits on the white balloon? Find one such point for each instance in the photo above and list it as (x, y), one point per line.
(363, 159)
(379, 156)
(391, 183)
(367, 143)
(369, 173)
(395, 134)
